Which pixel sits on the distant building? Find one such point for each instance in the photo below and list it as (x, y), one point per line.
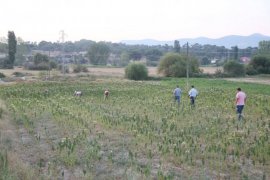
(245, 60)
(214, 61)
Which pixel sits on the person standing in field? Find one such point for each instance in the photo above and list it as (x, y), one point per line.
(240, 100)
(177, 95)
(106, 94)
(193, 93)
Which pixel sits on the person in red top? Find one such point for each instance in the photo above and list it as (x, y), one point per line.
(240, 100)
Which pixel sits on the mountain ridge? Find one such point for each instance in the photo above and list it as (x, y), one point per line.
(227, 41)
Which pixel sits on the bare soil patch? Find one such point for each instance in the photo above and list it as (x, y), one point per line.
(251, 80)
(210, 70)
(116, 72)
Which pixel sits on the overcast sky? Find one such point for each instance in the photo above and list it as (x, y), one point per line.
(116, 20)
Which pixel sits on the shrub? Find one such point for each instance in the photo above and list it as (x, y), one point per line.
(175, 65)
(234, 68)
(18, 74)
(79, 68)
(41, 66)
(259, 65)
(2, 75)
(63, 69)
(136, 71)
(250, 70)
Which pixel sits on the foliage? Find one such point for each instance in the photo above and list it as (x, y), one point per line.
(124, 59)
(177, 46)
(259, 65)
(205, 61)
(41, 66)
(264, 48)
(12, 47)
(41, 62)
(98, 53)
(3, 48)
(2, 75)
(63, 68)
(18, 74)
(153, 54)
(235, 53)
(52, 64)
(234, 68)
(175, 65)
(79, 68)
(135, 54)
(41, 58)
(136, 71)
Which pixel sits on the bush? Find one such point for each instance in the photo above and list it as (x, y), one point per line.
(18, 74)
(41, 66)
(234, 68)
(63, 70)
(53, 64)
(2, 75)
(79, 68)
(259, 65)
(250, 70)
(175, 65)
(136, 71)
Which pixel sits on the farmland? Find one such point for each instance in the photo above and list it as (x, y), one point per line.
(138, 133)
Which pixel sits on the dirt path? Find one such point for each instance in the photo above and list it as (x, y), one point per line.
(251, 80)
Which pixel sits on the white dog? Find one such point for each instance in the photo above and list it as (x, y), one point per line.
(78, 93)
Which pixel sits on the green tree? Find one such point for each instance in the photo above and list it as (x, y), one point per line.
(41, 58)
(136, 71)
(41, 62)
(98, 53)
(135, 54)
(124, 59)
(3, 47)
(22, 50)
(259, 65)
(264, 48)
(176, 46)
(175, 65)
(205, 61)
(153, 55)
(234, 68)
(12, 47)
(235, 53)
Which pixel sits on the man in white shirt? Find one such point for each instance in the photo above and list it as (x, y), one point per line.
(193, 93)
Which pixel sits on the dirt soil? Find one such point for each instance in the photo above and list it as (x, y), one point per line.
(251, 80)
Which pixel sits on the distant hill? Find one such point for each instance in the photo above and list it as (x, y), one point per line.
(227, 41)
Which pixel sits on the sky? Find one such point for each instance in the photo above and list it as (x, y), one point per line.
(116, 20)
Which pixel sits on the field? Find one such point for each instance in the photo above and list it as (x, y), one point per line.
(98, 71)
(138, 133)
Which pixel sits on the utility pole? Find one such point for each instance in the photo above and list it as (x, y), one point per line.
(187, 66)
(49, 73)
(62, 40)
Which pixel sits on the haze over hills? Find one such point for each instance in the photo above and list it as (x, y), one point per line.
(227, 41)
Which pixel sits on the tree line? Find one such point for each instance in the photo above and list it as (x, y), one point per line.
(119, 54)
(20, 53)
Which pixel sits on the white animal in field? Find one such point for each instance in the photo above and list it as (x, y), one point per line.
(78, 93)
